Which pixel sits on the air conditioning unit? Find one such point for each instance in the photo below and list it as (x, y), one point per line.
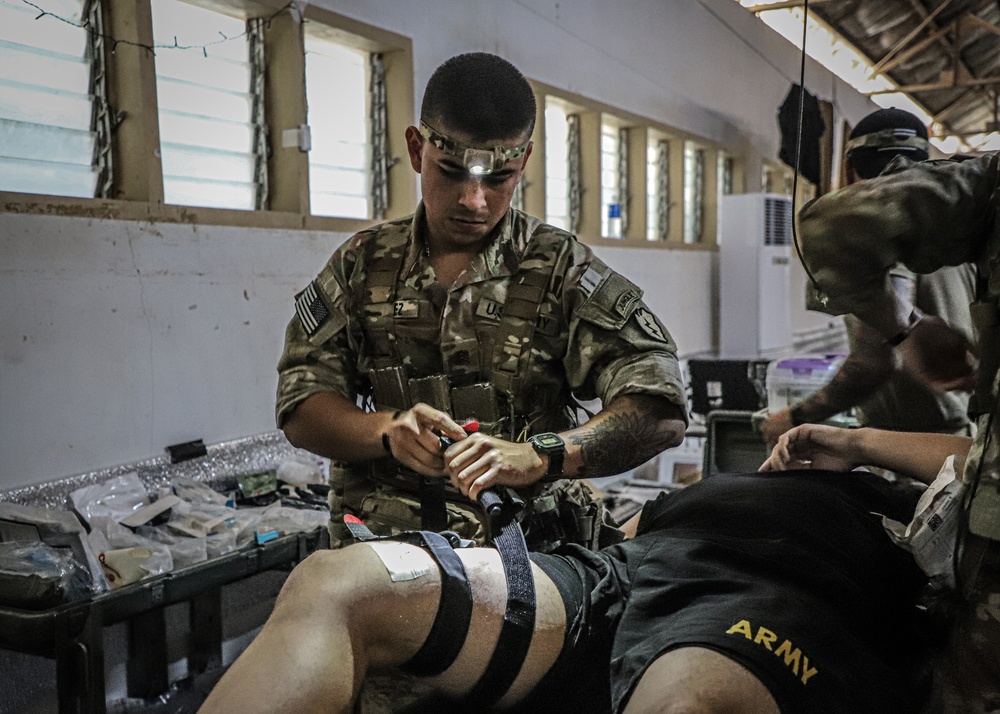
(755, 254)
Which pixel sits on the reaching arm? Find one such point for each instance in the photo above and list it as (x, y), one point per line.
(630, 431)
(866, 369)
(912, 454)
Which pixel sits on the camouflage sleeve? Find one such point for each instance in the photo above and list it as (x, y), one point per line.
(318, 356)
(928, 215)
(616, 344)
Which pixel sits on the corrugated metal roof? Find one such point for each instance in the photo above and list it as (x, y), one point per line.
(945, 54)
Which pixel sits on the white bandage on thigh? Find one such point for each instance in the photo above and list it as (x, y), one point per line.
(402, 560)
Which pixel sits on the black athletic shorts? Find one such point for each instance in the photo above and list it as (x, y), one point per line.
(789, 574)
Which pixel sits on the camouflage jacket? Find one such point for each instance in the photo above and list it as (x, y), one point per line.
(924, 215)
(593, 338)
(928, 215)
(903, 403)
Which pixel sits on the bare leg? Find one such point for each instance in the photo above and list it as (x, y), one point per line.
(340, 616)
(696, 679)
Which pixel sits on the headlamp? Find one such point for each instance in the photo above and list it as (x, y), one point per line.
(478, 161)
(885, 139)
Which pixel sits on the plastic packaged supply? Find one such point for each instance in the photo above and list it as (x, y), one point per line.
(60, 529)
(300, 472)
(36, 576)
(795, 378)
(116, 498)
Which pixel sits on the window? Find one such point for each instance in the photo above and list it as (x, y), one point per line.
(209, 103)
(694, 192)
(337, 83)
(557, 184)
(204, 101)
(613, 170)
(725, 174)
(657, 188)
(47, 138)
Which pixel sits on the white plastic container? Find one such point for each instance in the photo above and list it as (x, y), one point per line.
(795, 378)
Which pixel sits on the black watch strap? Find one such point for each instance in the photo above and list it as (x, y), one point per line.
(552, 446)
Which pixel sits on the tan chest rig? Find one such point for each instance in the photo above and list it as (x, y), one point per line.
(487, 387)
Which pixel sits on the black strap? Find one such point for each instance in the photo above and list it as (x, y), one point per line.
(433, 512)
(519, 618)
(451, 624)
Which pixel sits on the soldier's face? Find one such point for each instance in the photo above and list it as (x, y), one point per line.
(462, 209)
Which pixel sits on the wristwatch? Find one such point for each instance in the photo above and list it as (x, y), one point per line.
(553, 446)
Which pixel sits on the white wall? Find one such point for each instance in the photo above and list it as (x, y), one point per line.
(120, 337)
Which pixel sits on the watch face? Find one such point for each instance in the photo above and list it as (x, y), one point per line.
(548, 441)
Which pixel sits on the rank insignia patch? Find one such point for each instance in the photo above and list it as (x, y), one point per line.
(311, 309)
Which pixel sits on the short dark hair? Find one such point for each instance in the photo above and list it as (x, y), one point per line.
(480, 95)
(868, 161)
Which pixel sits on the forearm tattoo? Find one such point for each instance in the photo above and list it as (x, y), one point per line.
(619, 443)
(862, 374)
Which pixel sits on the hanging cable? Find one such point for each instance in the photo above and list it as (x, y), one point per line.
(798, 144)
(151, 49)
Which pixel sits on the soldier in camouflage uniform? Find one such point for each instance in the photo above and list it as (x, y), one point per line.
(885, 397)
(928, 215)
(466, 310)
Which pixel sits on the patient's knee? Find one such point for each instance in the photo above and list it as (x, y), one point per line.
(323, 580)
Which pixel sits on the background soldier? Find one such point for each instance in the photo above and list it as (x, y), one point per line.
(887, 397)
(927, 215)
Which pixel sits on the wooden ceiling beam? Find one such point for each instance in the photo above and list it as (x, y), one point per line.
(886, 64)
(979, 22)
(956, 83)
(784, 5)
(906, 40)
(942, 116)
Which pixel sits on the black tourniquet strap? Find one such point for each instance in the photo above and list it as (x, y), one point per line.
(433, 512)
(451, 624)
(519, 618)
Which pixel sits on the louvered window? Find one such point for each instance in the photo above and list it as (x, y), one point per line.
(337, 91)
(48, 137)
(694, 192)
(205, 106)
(611, 180)
(657, 189)
(557, 184)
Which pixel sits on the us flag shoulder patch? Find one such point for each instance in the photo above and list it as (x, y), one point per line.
(311, 309)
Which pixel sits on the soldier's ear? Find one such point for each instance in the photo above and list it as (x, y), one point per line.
(414, 147)
(527, 153)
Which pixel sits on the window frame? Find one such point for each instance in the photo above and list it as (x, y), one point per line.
(137, 187)
(638, 130)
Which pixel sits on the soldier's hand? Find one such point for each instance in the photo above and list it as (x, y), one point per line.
(775, 425)
(415, 439)
(479, 461)
(939, 355)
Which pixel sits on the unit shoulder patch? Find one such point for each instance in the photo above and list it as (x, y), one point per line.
(650, 325)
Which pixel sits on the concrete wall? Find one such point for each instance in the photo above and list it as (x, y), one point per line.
(122, 337)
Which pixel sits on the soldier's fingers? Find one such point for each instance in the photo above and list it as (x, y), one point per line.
(463, 450)
(487, 480)
(437, 421)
